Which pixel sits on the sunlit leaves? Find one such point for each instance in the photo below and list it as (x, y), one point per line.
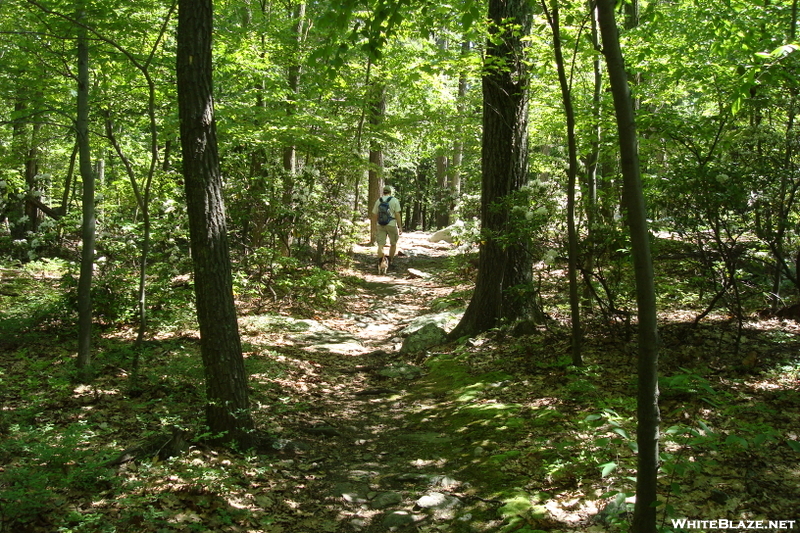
(778, 53)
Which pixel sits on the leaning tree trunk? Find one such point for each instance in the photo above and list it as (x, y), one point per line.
(228, 409)
(647, 432)
(504, 164)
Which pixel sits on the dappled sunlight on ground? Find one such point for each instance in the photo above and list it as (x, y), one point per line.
(496, 431)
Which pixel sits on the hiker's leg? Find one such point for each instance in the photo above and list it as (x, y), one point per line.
(381, 237)
(393, 235)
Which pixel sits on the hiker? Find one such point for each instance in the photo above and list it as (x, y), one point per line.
(387, 213)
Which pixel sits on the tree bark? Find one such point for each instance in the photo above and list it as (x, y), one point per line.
(442, 208)
(592, 162)
(503, 268)
(293, 80)
(647, 433)
(228, 409)
(84, 360)
(572, 174)
(458, 146)
(289, 216)
(377, 111)
(32, 178)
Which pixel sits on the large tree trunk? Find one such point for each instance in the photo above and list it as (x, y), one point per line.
(647, 434)
(504, 163)
(88, 226)
(228, 408)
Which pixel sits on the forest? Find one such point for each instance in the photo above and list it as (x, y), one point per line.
(591, 323)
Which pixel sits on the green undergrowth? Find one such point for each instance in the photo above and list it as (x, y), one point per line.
(30, 297)
(534, 430)
(485, 433)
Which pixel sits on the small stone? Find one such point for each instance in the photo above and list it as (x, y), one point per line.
(400, 371)
(386, 499)
(438, 500)
(398, 519)
(442, 506)
(478, 451)
(351, 492)
(358, 523)
(445, 482)
(412, 477)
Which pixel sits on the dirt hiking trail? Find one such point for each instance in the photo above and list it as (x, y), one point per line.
(371, 450)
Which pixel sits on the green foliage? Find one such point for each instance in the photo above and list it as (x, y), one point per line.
(311, 285)
(288, 279)
(686, 383)
(44, 464)
(521, 508)
(30, 300)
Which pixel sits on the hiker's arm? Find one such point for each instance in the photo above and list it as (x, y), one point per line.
(399, 224)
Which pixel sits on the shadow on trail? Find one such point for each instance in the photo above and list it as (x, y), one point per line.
(367, 455)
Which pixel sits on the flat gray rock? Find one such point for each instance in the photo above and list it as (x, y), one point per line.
(304, 332)
(385, 499)
(442, 506)
(399, 519)
(438, 500)
(446, 320)
(427, 336)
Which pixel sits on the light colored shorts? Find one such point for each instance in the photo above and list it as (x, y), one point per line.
(391, 231)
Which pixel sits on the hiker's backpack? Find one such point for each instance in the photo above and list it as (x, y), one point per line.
(384, 212)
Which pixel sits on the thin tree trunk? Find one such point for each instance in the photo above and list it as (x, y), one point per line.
(377, 110)
(84, 360)
(442, 208)
(290, 151)
(572, 173)
(21, 149)
(32, 178)
(458, 146)
(593, 163)
(293, 78)
(228, 408)
(65, 197)
(647, 434)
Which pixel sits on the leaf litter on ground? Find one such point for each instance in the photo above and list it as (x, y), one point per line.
(501, 430)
